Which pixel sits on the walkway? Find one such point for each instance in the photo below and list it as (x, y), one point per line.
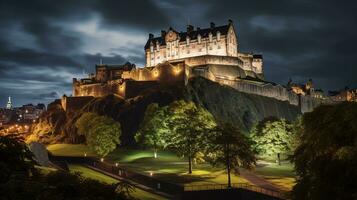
(135, 184)
(258, 181)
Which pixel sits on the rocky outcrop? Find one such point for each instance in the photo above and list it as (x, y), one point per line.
(242, 109)
(50, 128)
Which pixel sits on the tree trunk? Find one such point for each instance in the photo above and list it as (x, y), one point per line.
(228, 167)
(189, 164)
(279, 163)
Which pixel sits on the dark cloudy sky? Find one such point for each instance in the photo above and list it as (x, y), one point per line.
(45, 43)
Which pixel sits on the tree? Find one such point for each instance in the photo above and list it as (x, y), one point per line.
(188, 124)
(85, 123)
(326, 157)
(153, 128)
(273, 137)
(229, 147)
(102, 132)
(16, 158)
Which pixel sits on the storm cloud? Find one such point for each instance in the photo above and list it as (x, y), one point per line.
(44, 44)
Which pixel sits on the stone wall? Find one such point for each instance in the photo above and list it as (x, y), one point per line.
(306, 103)
(70, 104)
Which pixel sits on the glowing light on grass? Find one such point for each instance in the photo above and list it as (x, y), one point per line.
(116, 164)
(85, 154)
(102, 160)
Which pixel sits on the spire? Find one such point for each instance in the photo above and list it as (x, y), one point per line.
(9, 104)
(101, 61)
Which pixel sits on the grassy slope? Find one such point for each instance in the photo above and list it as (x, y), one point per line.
(86, 172)
(70, 150)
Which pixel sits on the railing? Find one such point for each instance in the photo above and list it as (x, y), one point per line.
(125, 173)
(249, 187)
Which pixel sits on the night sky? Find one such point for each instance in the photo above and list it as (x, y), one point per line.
(44, 44)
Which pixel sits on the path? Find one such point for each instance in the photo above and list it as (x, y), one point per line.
(258, 181)
(135, 184)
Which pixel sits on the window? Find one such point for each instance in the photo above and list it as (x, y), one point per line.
(210, 37)
(187, 41)
(151, 48)
(157, 46)
(218, 35)
(199, 39)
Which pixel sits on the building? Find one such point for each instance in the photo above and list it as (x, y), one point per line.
(343, 95)
(9, 104)
(213, 43)
(29, 112)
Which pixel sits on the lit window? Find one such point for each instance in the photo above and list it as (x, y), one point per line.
(199, 39)
(187, 41)
(218, 35)
(152, 48)
(210, 37)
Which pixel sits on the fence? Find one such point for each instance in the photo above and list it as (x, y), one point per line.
(235, 185)
(143, 179)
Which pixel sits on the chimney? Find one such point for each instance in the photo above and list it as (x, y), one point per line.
(163, 33)
(230, 22)
(189, 28)
(212, 25)
(151, 36)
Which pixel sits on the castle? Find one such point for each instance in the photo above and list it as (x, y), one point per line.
(173, 57)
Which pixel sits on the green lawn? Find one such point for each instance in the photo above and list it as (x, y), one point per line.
(281, 175)
(70, 150)
(86, 172)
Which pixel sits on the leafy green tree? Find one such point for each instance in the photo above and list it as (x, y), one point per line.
(230, 148)
(16, 158)
(188, 124)
(273, 137)
(85, 123)
(102, 132)
(326, 157)
(153, 128)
